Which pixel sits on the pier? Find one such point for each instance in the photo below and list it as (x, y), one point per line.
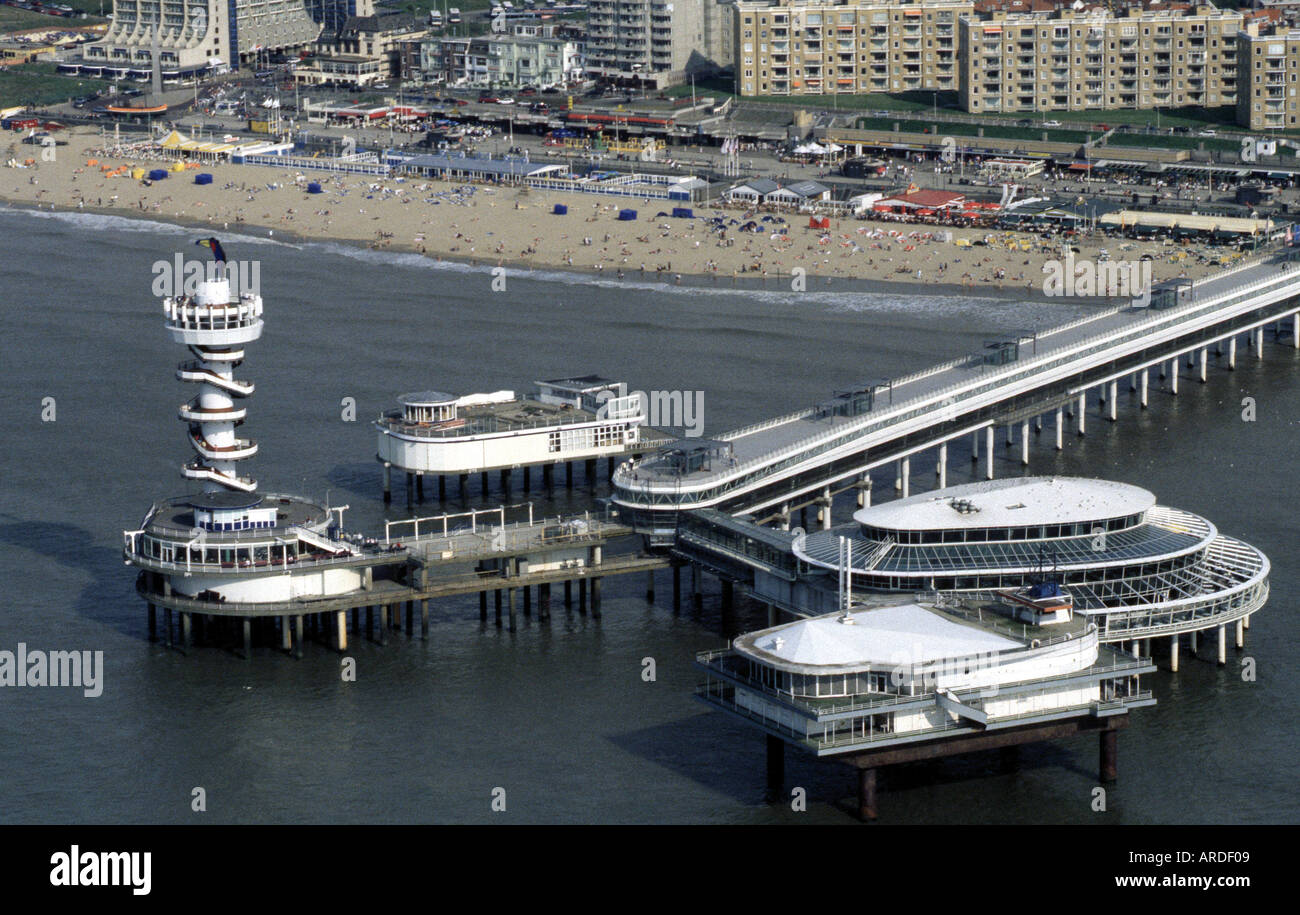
(1021, 382)
(442, 556)
(566, 422)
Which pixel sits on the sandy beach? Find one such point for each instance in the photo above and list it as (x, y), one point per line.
(510, 226)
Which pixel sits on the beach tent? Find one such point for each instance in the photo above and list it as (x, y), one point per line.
(627, 215)
(178, 167)
(137, 173)
(560, 210)
(815, 222)
(315, 188)
(683, 213)
(202, 178)
(157, 174)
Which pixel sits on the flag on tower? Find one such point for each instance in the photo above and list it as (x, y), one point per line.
(218, 254)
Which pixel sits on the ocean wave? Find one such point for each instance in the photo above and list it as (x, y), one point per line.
(995, 312)
(140, 224)
(994, 308)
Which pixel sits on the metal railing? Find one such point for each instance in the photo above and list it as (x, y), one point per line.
(815, 445)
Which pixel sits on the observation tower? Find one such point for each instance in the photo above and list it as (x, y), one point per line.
(216, 330)
(230, 552)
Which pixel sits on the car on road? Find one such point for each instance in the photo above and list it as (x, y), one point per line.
(1207, 133)
(506, 100)
(487, 99)
(1051, 123)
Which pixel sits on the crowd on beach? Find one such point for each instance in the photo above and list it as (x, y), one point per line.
(498, 224)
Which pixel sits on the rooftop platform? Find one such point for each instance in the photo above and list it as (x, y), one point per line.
(871, 637)
(485, 419)
(174, 518)
(1014, 502)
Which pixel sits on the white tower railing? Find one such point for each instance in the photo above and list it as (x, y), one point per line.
(215, 329)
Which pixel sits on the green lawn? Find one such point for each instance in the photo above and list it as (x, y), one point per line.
(39, 84)
(14, 20)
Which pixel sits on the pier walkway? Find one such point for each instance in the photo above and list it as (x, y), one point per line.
(419, 560)
(768, 468)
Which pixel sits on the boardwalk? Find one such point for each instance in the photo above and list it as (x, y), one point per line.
(810, 454)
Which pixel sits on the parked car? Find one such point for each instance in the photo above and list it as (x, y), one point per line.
(1051, 123)
(507, 100)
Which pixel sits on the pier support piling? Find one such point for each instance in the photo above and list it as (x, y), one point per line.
(595, 598)
(906, 472)
(943, 466)
(248, 638)
(775, 764)
(496, 602)
(568, 594)
(383, 624)
(419, 487)
(1223, 645)
(1241, 634)
(1060, 428)
(388, 482)
(167, 622)
(1205, 358)
(1232, 353)
(510, 608)
(1024, 444)
(582, 597)
(297, 637)
(1173, 653)
(544, 601)
(1113, 404)
(867, 795)
(153, 623)
(1083, 414)
(187, 636)
(341, 631)
(1109, 767)
(988, 452)
(482, 606)
(650, 586)
(677, 587)
(1145, 384)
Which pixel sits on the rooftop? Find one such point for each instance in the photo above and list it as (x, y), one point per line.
(877, 637)
(1018, 502)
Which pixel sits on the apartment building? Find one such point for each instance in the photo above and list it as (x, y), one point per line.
(1268, 61)
(194, 36)
(653, 43)
(531, 55)
(816, 47)
(1039, 57)
(365, 50)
